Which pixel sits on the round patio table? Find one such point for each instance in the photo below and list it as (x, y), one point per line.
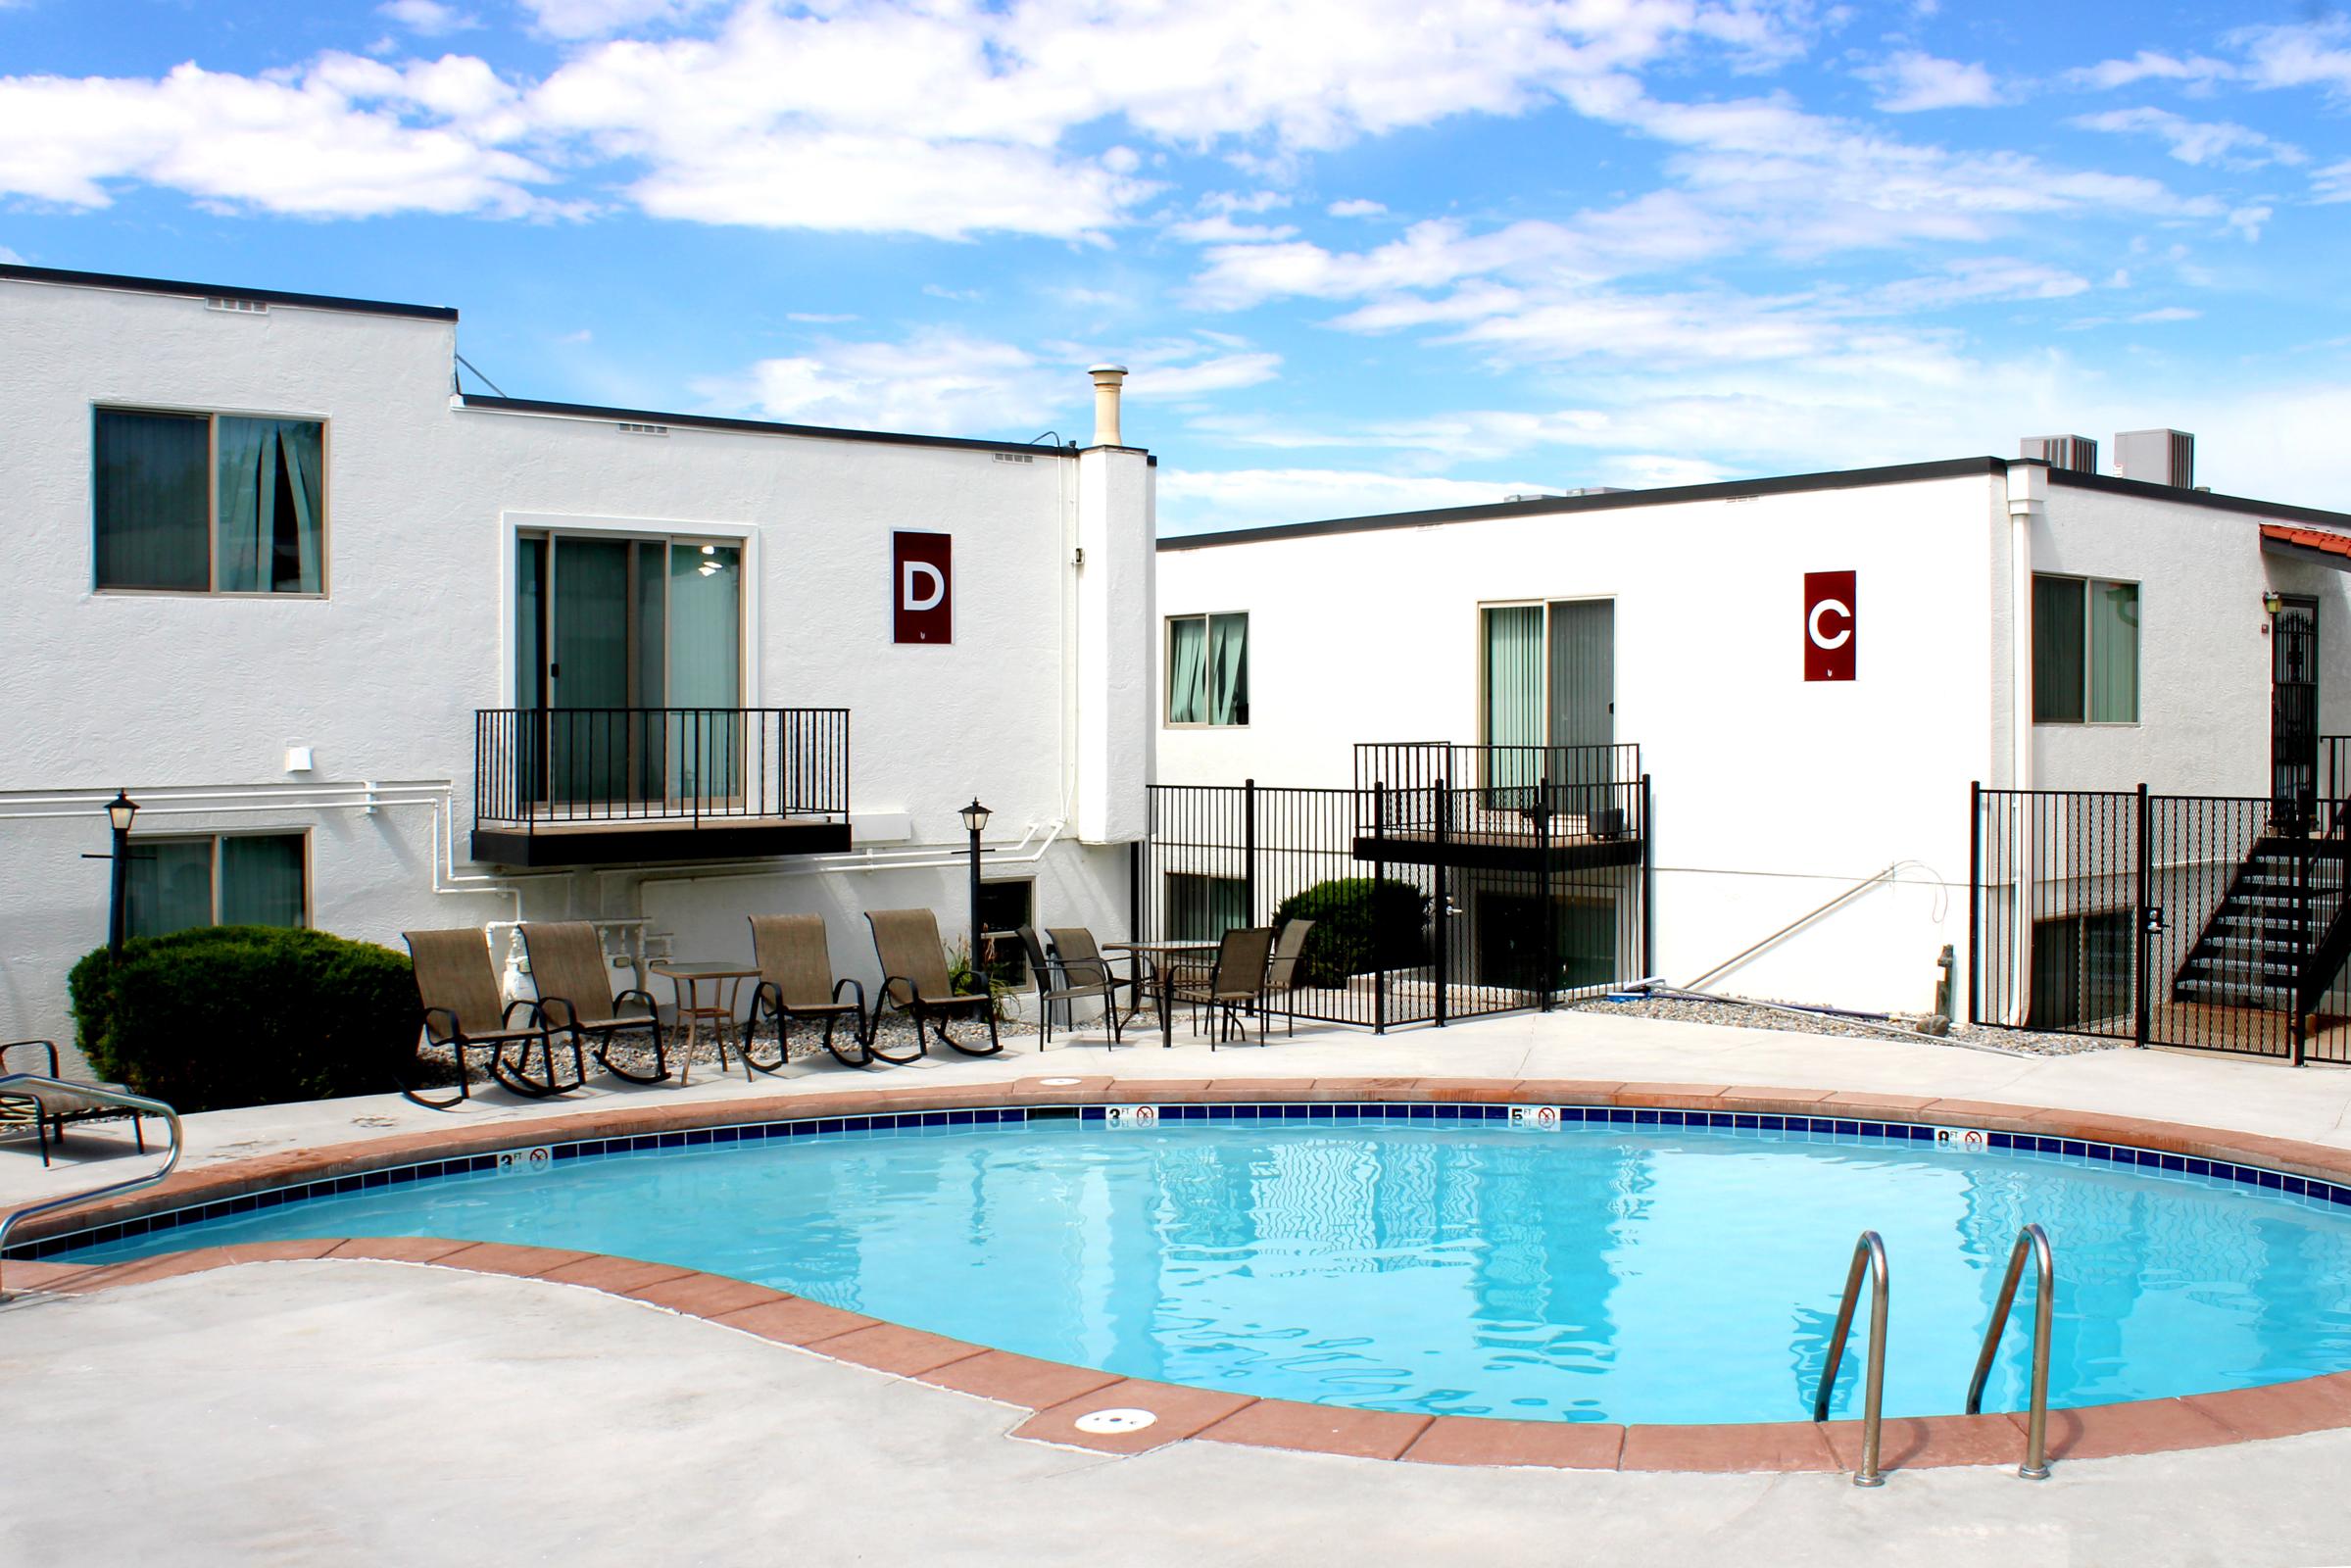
(1160, 956)
(725, 979)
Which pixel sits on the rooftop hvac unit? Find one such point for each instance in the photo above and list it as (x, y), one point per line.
(2078, 453)
(2157, 457)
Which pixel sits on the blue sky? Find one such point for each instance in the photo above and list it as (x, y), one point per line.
(1362, 255)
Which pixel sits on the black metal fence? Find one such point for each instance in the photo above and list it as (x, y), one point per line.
(536, 765)
(1428, 906)
(2217, 922)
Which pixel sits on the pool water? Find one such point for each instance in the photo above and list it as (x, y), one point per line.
(1597, 1273)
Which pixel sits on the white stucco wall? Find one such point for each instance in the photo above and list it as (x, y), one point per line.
(1771, 793)
(381, 675)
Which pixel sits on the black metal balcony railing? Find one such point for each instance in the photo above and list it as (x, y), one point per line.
(552, 767)
(1564, 791)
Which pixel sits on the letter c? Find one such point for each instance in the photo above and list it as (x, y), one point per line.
(907, 593)
(1812, 624)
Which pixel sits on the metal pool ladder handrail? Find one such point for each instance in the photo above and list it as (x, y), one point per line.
(2034, 1241)
(31, 1085)
(1868, 1255)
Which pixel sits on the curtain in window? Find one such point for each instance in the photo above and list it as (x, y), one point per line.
(169, 886)
(1203, 908)
(1228, 669)
(2114, 653)
(150, 501)
(261, 880)
(1187, 658)
(269, 505)
(2058, 676)
(1514, 697)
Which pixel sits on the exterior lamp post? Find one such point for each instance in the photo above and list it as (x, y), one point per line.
(975, 818)
(119, 813)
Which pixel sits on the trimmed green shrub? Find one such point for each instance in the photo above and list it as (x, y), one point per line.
(221, 1016)
(1359, 925)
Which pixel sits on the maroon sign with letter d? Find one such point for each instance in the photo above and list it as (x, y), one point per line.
(1830, 625)
(922, 587)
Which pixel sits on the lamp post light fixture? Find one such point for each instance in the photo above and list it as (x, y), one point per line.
(975, 818)
(118, 813)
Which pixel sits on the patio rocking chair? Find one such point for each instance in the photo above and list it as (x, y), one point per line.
(456, 986)
(915, 981)
(1237, 983)
(796, 981)
(568, 964)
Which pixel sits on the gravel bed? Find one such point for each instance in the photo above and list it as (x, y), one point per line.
(2016, 1041)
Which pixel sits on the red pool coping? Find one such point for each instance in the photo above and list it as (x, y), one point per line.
(1057, 1395)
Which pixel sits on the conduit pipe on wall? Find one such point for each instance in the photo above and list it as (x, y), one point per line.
(810, 865)
(1891, 875)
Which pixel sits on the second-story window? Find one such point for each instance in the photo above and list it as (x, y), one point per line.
(204, 503)
(1207, 670)
(2084, 651)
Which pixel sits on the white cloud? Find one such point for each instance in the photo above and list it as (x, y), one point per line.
(1219, 229)
(1222, 373)
(1913, 81)
(2168, 313)
(2301, 55)
(2194, 142)
(9, 258)
(427, 18)
(592, 19)
(2149, 66)
(935, 381)
(2331, 183)
(2248, 220)
(819, 317)
(1356, 206)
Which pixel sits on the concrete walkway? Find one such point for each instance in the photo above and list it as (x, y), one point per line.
(347, 1411)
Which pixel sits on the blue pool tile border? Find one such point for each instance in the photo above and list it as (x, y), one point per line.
(1841, 1128)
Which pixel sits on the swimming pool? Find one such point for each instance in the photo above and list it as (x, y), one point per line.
(1629, 1266)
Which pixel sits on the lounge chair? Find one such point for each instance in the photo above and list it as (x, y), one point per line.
(1281, 975)
(1236, 985)
(55, 1108)
(915, 981)
(1085, 972)
(574, 978)
(796, 981)
(458, 988)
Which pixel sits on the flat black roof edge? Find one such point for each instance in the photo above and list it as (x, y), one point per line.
(12, 271)
(1722, 490)
(710, 421)
(2114, 484)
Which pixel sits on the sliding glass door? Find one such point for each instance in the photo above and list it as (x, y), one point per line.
(1549, 674)
(630, 650)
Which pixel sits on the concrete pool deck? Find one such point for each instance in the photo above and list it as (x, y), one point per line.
(919, 1451)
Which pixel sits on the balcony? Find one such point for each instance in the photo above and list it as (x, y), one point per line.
(611, 786)
(1499, 807)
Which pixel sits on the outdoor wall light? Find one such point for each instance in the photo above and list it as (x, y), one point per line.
(2272, 601)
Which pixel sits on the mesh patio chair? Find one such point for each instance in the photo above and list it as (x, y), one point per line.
(52, 1109)
(796, 981)
(1236, 985)
(568, 964)
(1070, 971)
(1281, 975)
(1085, 972)
(456, 986)
(915, 982)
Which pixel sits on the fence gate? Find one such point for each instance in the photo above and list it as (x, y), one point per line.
(1431, 903)
(2215, 922)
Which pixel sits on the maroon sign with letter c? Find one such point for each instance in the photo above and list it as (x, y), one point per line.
(922, 587)
(1831, 625)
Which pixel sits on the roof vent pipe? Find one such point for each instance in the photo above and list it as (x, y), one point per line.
(1106, 380)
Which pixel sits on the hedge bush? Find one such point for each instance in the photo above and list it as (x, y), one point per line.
(1359, 925)
(221, 1016)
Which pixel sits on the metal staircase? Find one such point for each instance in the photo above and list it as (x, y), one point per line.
(2262, 936)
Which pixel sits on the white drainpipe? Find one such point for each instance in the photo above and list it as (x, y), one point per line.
(2028, 502)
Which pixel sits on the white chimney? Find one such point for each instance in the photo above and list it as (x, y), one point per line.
(2157, 457)
(1106, 380)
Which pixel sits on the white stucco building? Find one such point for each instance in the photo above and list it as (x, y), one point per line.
(338, 628)
(1815, 667)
